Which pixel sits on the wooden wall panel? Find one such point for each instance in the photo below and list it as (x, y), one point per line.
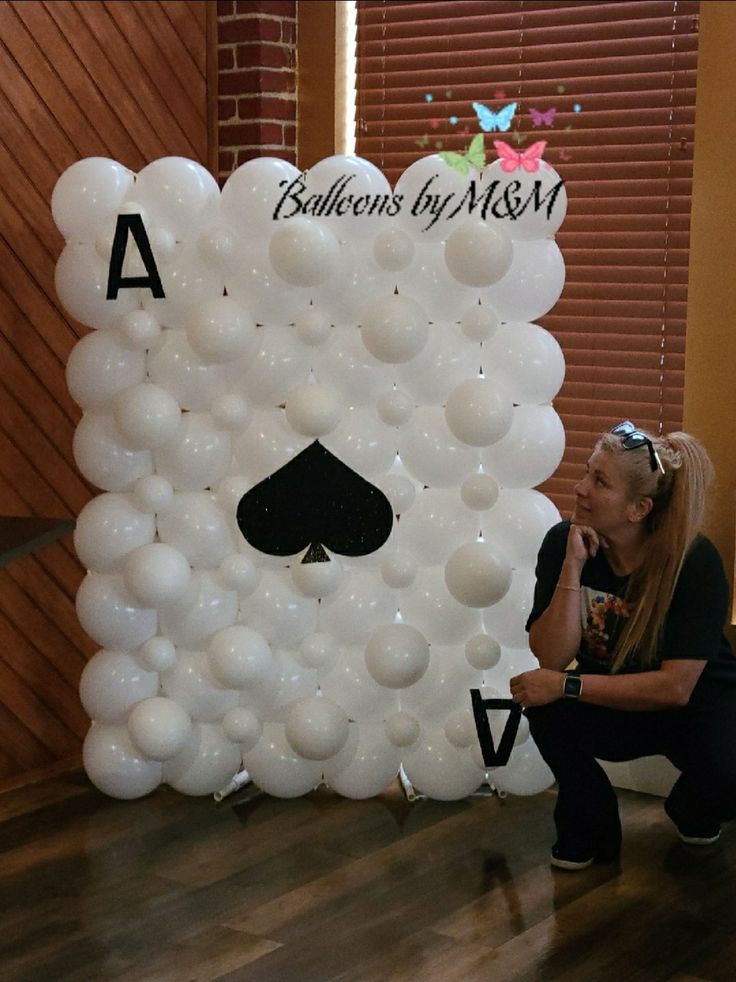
(127, 80)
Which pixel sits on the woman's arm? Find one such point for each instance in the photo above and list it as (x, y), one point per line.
(668, 687)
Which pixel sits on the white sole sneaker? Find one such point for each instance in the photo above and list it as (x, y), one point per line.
(699, 840)
(571, 864)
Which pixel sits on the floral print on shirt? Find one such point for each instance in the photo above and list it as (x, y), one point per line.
(602, 616)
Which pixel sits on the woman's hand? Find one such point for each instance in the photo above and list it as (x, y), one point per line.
(583, 542)
(537, 688)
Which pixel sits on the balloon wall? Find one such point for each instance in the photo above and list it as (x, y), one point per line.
(394, 329)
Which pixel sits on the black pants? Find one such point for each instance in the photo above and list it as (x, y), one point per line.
(701, 743)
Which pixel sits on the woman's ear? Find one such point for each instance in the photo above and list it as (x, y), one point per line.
(640, 509)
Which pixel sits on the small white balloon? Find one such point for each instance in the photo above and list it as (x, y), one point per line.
(395, 407)
(159, 727)
(482, 652)
(399, 570)
(313, 326)
(478, 254)
(317, 579)
(190, 683)
(397, 655)
(230, 411)
(393, 249)
(479, 411)
(239, 573)
(197, 457)
(460, 728)
(319, 651)
(402, 729)
(157, 655)
(479, 323)
(239, 657)
(394, 329)
(195, 525)
(479, 492)
(313, 410)
(152, 494)
(304, 252)
(139, 329)
(399, 490)
(157, 574)
(316, 728)
(242, 726)
(477, 575)
(146, 415)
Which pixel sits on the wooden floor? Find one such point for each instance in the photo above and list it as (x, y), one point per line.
(323, 889)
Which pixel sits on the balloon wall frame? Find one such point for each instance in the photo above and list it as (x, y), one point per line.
(234, 329)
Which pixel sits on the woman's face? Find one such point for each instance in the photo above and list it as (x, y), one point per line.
(602, 496)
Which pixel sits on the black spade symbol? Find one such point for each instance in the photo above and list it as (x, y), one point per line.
(493, 757)
(315, 501)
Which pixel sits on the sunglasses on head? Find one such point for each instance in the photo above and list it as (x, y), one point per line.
(631, 439)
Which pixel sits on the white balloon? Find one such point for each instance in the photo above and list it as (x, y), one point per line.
(110, 615)
(242, 726)
(187, 283)
(440, 770)
(218, 246)
(276, 611)
(428, 281)
(112, 682)
(349, 684)
(478, 254)
(176, 368)
(479, 492)
(277, 769)
(477, 574)
(239, 573)
(399, 570)
(357, 281)
(348, 368)
(479, 411)
(394, 329)
(99, 367)
(115, 766)
(352, 613)
(205, 608)
(448, 359)
(230, 412)
(506, 619)
(152, 494)
(255, 284)
(157, 574)
(207, 762)
(395, 408)
(221, 330)
(444, 689)
(363, 443)
(533, 283)
(529, 360)
(313, 410)
(317, 579)
(157, 655)
(535, 202)
(430, 607)
(252, 194)
(431, 453)
(517, 523)
(81, 279)
(102, 457)
(239, 657)
(191, 684)
(318, 651)
(87, 197)
(316, 728)
(179, 195)
(159, 727)
(525, 774)
(195, 525)
(313, 326)
(198, 455)
(303, 252)
(393, 249)
(139, 330)
(397, 655)
(350, 194)
(434, 525)
(267, 444)
(108, 528)
(146, 415)
(281, 364)
(460, 728)
(432, 194)
(402, 729)
(482, 651)
(531, 450)
(275, 696)
(479, 323)
(366, 765)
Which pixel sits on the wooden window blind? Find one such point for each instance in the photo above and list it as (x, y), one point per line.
(621, 78)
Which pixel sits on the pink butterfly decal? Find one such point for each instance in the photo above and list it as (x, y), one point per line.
(540, 118)
(528, 159)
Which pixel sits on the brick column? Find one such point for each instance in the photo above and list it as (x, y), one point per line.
(256, 42)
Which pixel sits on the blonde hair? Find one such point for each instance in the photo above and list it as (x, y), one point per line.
(678, 498)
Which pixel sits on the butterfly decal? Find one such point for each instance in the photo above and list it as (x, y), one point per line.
(540, 118)
(511, 160)
(423, 142)
(474, 156)
(490, 121)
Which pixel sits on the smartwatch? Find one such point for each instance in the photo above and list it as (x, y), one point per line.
(572, 687)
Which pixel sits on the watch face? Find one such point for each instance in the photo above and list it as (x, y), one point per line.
(573, 686)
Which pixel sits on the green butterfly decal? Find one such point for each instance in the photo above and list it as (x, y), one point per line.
(474, 156)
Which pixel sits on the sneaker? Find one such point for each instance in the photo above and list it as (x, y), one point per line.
(694, 836)
(570, 860)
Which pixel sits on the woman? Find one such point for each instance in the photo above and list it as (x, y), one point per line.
(633, 593)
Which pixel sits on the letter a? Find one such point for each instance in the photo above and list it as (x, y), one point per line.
(115, 279)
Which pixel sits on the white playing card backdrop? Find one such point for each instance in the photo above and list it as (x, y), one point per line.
(394, 326)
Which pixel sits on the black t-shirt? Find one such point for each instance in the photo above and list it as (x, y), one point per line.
(693, 628)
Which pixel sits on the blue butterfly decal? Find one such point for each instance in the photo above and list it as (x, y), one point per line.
(490, 121)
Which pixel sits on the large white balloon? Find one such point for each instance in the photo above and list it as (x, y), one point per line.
(239, 657)
(317, 728)
(363, 602)
(87, 197)
(528, 359)
(441, 770)
(197, 456)
(206, 607)
(174, 366)
(252, 193)
(221, 330)
(304, 252)
(179, 195)
(435, 524)
(479, 411)
(102, 457)
(146, 415)
(534, 203)
(190, 683)
(80, 280)
(115, 766)
(478, 254)
(205, 764)
(276, 611)
(367, 763)
(276, 767)
(110, 615)
(397, 655)
(517, 523)
(159, 727)
(429, 606)
(533, 283)
(194, 524)
(477, 574)
(506, 619)
(108, 528)
(432, 194)
(99, 367)
(112, 683)
(430, 451)
(531, 450)
(394, 329)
